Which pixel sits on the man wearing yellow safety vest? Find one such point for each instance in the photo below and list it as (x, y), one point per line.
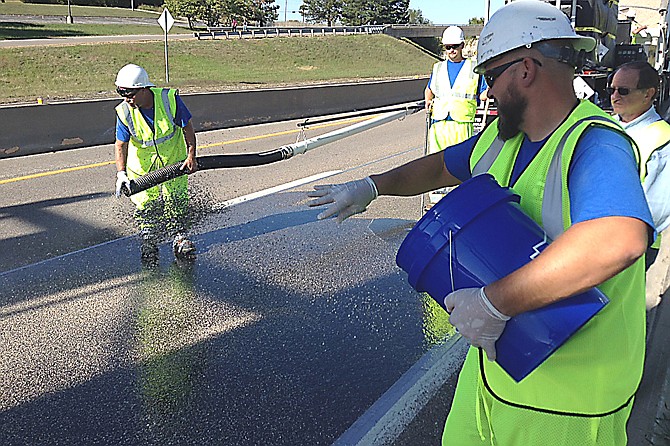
(633, 89)
(154, 130)
(576, 172)
(451, 97)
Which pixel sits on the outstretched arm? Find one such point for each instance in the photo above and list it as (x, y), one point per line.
(584, 256)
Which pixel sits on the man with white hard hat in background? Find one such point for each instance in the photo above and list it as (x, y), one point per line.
(451, 98)
(576, 172)
(154, 130)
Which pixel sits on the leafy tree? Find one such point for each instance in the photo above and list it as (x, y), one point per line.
(375, 12)
(357, 12)
(319, 11)
(262, 12)
(476, 21)
(189, 9)
(215, 12)
(416, 18)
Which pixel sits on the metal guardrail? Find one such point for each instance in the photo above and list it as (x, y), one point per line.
(256, 33)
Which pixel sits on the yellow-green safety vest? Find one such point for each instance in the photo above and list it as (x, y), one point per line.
(597, 371)
(150, 149)
(656, 136)
(458, 101)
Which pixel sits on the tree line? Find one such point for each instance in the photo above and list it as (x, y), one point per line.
(265, 12)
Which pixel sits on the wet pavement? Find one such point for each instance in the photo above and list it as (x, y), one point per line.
(279, 333)
(285, 330)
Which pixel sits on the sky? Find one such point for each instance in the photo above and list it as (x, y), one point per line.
(440, 12)
(453, 12)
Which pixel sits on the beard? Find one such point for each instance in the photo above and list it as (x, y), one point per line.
(510, 114)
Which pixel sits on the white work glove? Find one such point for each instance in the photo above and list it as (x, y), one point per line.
(121, 180)
(476, 319)
(347, 199)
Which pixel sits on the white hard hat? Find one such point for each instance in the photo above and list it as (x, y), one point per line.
(453, 35)
(522, 23)
(133, 76)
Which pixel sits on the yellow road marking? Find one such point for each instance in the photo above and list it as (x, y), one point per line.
(235, 141)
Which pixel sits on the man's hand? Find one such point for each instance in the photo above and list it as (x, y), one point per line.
(121, 181)
(476, 319)
(347, 199)
(190, 164)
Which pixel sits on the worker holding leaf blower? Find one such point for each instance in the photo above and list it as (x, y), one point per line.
(576, 173)
(154, 130)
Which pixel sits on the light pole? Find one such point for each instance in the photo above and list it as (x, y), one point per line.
(68, 19)
(285, 10)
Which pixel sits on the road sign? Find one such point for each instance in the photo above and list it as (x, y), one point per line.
(165, 20)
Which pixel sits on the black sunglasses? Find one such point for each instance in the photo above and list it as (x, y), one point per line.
(494, 73)
(127, 92)
(623, 91)
(452, 47)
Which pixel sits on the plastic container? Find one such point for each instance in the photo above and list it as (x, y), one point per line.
(476, 235)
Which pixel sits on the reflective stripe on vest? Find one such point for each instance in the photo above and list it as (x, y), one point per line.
(458, 101)
(599, 368)
(552, 203)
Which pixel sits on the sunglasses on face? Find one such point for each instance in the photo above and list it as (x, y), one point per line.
(127, 92)
(623, 91)
(452, 47)
(491, 75)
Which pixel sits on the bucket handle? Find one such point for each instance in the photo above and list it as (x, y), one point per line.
(417, 270)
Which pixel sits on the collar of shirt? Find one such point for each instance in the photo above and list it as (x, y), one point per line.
(646, 118)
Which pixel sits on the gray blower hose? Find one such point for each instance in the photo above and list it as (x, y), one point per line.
(173, 171)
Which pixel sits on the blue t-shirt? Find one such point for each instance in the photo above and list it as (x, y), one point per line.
(603, 179)
(183, 115)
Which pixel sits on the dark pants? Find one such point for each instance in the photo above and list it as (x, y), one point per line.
(650, 257)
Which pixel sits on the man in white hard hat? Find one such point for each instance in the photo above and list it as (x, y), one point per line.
(575, 170)
(451, 98)
(154, 130)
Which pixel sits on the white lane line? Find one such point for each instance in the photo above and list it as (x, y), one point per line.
(62, 256)
(390, 415)
(272, 190)
(216, 207)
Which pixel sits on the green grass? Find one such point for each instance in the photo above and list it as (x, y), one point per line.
(88, 71)
(15, 7)
(20, 30)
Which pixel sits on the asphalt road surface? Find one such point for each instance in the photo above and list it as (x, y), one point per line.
(284, 331)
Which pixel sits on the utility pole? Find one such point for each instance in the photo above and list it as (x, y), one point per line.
(285, 10)
(68, 19)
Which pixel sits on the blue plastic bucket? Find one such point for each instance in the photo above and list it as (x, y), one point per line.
(476, 235)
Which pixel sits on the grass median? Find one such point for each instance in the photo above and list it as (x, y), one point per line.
(16, 7)
(88, 71)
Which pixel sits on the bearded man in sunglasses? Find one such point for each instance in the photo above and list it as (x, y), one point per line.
(575, 171)
(452, 95)
(154, 130)
(633, 90)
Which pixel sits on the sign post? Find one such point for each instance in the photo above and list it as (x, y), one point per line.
(166, 21)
